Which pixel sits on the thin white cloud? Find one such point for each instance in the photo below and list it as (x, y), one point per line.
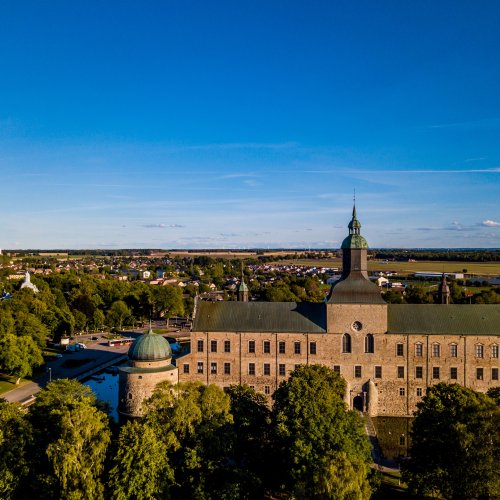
(160, 226)
(490, 223)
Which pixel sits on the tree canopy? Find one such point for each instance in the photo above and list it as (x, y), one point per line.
(324, 445)
(455, 448)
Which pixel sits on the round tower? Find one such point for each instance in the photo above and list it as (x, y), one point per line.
(149, 363)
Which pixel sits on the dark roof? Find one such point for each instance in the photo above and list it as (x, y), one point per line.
(355, 290)
(438, 319)
(302, 317)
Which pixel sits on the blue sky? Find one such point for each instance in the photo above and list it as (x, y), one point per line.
(194, 124)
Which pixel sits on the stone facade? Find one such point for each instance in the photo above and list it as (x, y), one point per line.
(137, 382)
(387, 369)
(391, 380)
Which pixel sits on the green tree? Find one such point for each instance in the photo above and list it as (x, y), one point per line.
(455, 448)
(194, 422)
(70, 438)
(77, 456)
(140, 467)
(15, 434)
(326, 451)
(167, 300)
(19, 356)
(118, 314)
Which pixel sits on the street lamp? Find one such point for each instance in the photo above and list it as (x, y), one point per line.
(50, 374)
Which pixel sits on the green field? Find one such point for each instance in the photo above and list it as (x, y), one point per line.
(473, 268)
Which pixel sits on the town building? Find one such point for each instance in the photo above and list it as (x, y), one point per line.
(389, 354)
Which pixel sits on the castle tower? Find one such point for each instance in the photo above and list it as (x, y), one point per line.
(242, 291)
(444, 293)
(354, 287)
(149, 363)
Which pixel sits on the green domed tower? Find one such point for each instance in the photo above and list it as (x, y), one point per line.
(149, 363)
(354, 287)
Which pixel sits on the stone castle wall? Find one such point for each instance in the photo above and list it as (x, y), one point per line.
(400, 375)
(136, 387)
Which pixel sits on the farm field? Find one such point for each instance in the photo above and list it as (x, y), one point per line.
(473, 268)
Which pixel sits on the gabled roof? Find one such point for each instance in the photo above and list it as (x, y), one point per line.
(301, 317)
(439, 319)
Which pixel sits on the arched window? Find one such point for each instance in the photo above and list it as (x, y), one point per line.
(369, 343)
(346, 343)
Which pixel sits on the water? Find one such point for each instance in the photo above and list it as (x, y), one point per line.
(106, 390)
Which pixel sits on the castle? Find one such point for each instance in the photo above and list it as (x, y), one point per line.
(387, 353)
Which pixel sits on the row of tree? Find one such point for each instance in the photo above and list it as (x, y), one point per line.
(195, 441)
(70, 302)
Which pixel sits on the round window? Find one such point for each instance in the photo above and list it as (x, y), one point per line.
(357, 326)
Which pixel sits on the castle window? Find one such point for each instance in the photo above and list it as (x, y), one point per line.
(436, 350)
(400, 350)
(378, 372)
(479, 374)
(419, 372)
(401, 372)
(185, 368)
(267, 389)
(227, 368)
(479, 350)
(346, 343)
(130, 395)
(494, 374)
(402, 440)
(401, 391)
(282, 370)
(200, 367)
(227, 346)
(200, 345)
(419, 349)
(419, 392)
(369, 343)
(494, 351)
(251, 368)
(213, 368)
(453, 350)
(435, 372)
(281, 347)
(140, 376)
(312, 348)
(213, 346)
(266, 347)
(251, 346)
(267, 369)
(336, 368)
(453, 373)
(296, 367)
(357, 371)
(296, 347)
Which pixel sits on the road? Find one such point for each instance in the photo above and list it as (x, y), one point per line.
(97, 353)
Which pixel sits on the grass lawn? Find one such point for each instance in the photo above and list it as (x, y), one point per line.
(390, 487)
(7, 383)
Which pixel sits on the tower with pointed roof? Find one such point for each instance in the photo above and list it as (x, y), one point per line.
(354, 287)
(444, 293)
(242, 291)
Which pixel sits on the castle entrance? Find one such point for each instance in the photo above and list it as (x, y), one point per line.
(358, 403)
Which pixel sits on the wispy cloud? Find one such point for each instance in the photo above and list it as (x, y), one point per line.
(490, 223)
(160, 226)
(486, 122)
